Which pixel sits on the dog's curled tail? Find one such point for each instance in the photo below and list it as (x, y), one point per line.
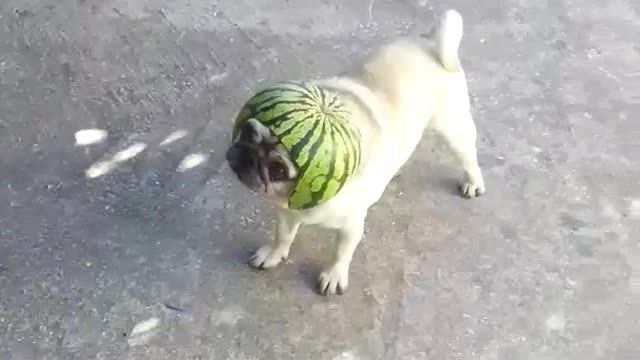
(449, 37)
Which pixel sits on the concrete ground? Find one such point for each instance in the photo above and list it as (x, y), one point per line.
(545, 266)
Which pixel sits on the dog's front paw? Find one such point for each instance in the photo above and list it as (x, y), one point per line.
(471, 190)
(472, 187)
(268, 257)
(333, 280)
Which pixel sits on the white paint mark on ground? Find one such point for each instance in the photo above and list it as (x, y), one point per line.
(191, 161)
(229, 315)
(129, 153)
(87, 137)
(216, 78)
(634, 282)
(103, 167)
(145, 326)
(555, 322)
(346, 355)
(99, 169)
(143, 331)
(634, 279)
(634, 209)
(173, 137)
(609, 210)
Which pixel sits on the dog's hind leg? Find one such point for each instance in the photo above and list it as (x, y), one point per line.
(459, 131)
(453, 119)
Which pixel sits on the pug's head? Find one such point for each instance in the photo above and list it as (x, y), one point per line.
(261, 163)
(296, 143)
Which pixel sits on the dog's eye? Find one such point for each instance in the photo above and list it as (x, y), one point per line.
(277, 171)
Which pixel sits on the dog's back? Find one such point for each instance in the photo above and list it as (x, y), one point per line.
(413, 82)
(401, 87)
(412, 79)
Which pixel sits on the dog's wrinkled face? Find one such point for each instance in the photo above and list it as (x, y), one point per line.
(261, 163)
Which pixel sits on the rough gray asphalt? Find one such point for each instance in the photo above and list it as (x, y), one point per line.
(545, 266)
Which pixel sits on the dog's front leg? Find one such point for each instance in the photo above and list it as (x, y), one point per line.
(335, 279)
(268, 256)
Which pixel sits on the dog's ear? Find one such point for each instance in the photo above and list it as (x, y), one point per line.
(254, 132)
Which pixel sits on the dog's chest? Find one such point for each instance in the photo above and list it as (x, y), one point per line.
(329, 215)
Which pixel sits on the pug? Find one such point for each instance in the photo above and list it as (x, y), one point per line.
(394, 95)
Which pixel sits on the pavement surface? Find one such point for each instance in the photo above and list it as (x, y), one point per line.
(146, 257)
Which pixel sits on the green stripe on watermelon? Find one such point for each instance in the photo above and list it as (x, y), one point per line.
(315, 127)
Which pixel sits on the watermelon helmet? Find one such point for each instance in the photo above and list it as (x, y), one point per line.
(315, 127)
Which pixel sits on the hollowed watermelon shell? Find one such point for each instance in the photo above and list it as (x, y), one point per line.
(315, 127)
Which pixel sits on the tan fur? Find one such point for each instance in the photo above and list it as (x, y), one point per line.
(399, 91)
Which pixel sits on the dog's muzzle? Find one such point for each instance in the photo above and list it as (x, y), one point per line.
(244, 162)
